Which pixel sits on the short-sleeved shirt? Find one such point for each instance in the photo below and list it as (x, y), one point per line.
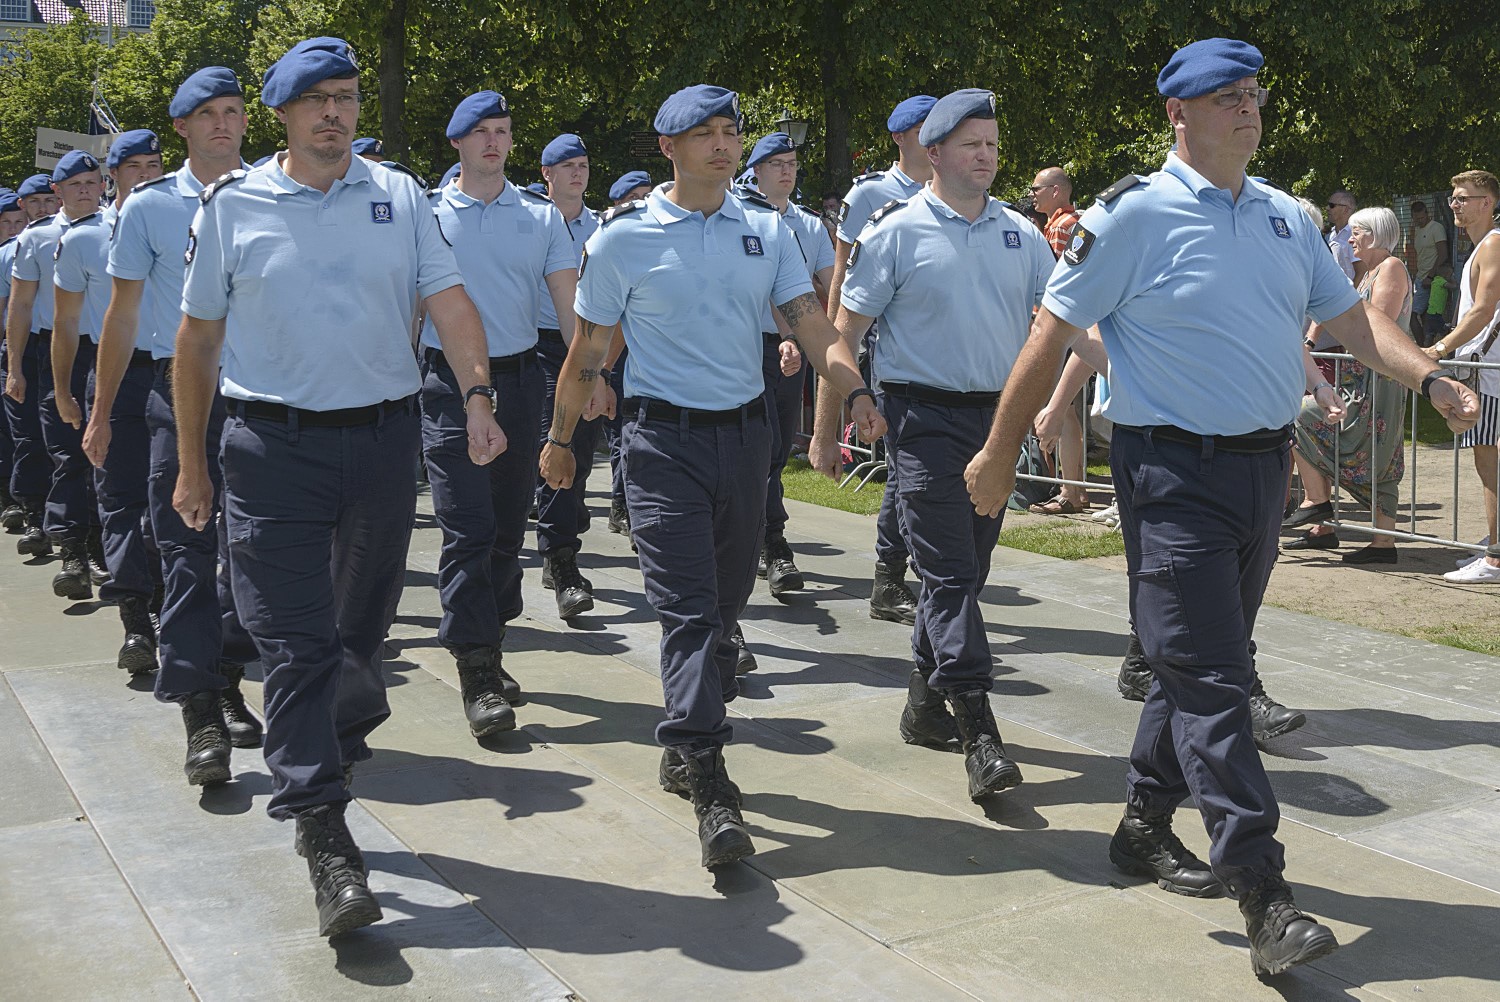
(1426, 240)
(580, 229)
(79, 266)
(318, 290)
(505, 250)
(36, 248)
(1201, 300)
(1060, 228)
(150, 238)
(870, 192)
(688, 292)
(814, 243)
(1338, 243)
(7, 262)
(954, 298)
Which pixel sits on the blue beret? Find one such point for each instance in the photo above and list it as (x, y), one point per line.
(564, 147)
(135, 143)
(73, 163)
(367, 144)
(1206, 65)
(450, 174)
(770, 146)
(951, 109)
(307, 64)
(36, 184)
(205, 85)
(6, 191)
(474, 109)
(626, 183)
(909, 113)
(692, 106)
(537, 188)
(9, 203)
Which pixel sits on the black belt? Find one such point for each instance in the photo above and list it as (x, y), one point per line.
(164, 370)
(502, 364)
(1250, 443)
(659, 410)
(346, 417)
(139, 357)
(42, 336)
(941, 397)
(550, 333)
(772, 337)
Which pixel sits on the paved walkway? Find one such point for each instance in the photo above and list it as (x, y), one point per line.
(548, 865)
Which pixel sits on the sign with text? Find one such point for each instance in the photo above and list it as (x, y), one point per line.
(53, 144)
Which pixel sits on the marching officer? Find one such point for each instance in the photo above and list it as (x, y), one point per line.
(21, 462)
(304, 276)
(370, 148)
(510, 245)
(1192, 272)
(628, 187)
(695, 257)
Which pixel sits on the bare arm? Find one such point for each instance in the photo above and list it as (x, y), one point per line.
(461, 333)
(195, 370)
(841, 252)
(18, 334)
(66, 309)
(591, 345)
(1391, 287)
(563, 287)
(116, 342)
(1486, 277)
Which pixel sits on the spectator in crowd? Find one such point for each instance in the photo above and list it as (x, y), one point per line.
(1429, 244)
(1341, 206)
(1365, 449)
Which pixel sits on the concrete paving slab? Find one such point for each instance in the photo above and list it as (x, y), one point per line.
(32, 791)
(1459, 841)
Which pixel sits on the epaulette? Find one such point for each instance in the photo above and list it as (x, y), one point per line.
(756, 198)
(531, 194)
(622, 210)
(41, 222)
(155, 180)
(82, 219)
(1124, 184)
(1271, 184)
(873, 175)
(401, 168)
(212, 189)
(885, 210)
(7, 243)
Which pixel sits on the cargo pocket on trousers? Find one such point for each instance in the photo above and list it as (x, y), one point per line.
(1161, 619)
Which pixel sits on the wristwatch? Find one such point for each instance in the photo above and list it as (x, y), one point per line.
(482, 390)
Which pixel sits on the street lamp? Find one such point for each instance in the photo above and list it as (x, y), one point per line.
(794, 127)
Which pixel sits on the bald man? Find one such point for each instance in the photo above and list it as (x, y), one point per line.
(1052, 191)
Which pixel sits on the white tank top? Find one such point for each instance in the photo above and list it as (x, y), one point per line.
(1489, 379)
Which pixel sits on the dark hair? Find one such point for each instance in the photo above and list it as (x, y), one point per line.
(1419, 204)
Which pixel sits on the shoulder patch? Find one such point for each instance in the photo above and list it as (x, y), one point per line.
(1124, 184)
(210, 190)
(1079, 245)
(621, 210)
(155, 180)
(886, 210)
(41, 222)
(528, 193)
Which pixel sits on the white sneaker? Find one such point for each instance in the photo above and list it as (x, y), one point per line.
(1480, 571)
(1469, 558)
(1110, 514)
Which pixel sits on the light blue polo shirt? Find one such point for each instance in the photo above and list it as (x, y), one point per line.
(505, 250)
(319, 291)
(585, 226)
(7, 262)
(35, 249)
(150, 237)
(954, 298)
(813, 244)
(1201, 300)
(79, 266)
(688, 294)
(869, 193)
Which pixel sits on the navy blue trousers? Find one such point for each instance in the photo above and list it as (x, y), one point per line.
(7, 443)
(122, 488)
(319, 521)
(71, 507)
(562, 517)
(198, 624)
(612, 428)
(951, 546)
(482, 509)
(31, 467)
(891, 546)
(697, 514)
(1200, 532)
(784, 405)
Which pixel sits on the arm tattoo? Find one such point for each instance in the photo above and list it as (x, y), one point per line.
(794, 311)
(589, 329)
(588, 375)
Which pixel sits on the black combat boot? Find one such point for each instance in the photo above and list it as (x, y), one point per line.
(12, 515)
(138, 653)
(574, 593)
(700, 775)
(485, 705)
(619, 518)
(1146, 846)
(244, 728)
(94, 548)
(1281, 936)
(781, 572)
(744, 661)
(1135, 672)
(34, 541)
(925, 720)
(890, 598)
(345, 901)
(990, 771)
(1269, 718)
(207, 740)
(73, 582)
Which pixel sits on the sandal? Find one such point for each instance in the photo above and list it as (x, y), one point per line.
(1059, 506)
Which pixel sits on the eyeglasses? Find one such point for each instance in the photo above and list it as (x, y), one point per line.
(1230, 97)
(1339, 205)
(778, 164)
(1038, 187)
(1460, 201)
(319, 101)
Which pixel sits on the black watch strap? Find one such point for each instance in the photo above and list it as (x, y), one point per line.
(1431, 378)
(481, 389)
(863, 391)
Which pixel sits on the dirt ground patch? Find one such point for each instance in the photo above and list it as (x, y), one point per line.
(1409, 598)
